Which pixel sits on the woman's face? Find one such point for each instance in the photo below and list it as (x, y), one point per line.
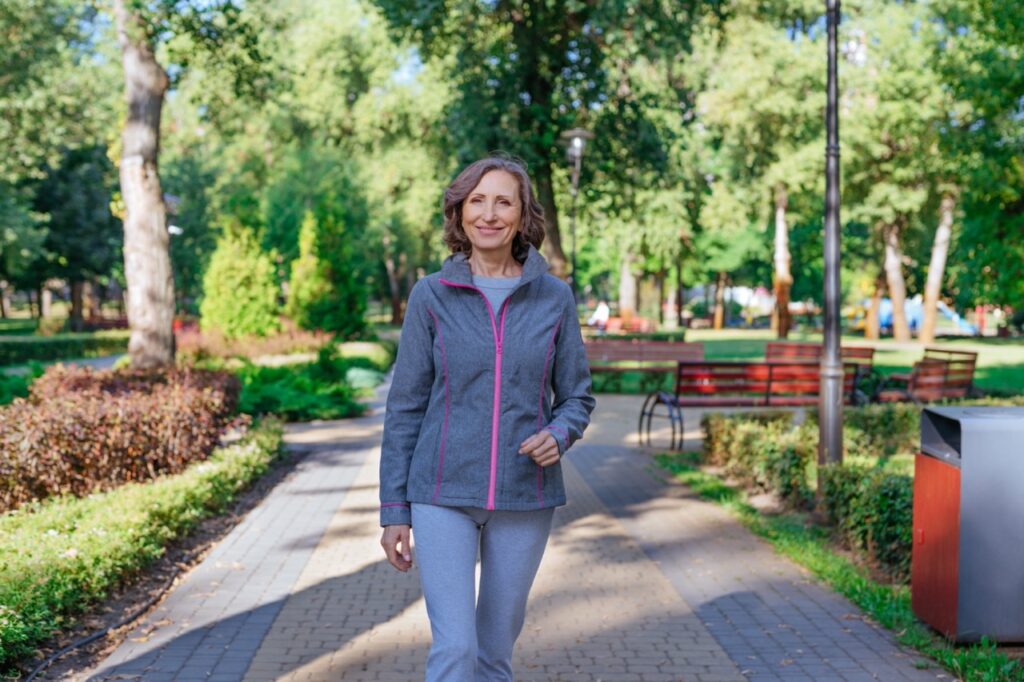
(492, 211)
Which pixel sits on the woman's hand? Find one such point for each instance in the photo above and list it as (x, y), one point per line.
(541, 448)
(393, 537)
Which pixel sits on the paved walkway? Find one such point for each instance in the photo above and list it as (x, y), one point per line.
(641, 581)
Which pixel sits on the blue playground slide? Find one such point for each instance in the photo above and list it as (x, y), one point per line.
(913, 308)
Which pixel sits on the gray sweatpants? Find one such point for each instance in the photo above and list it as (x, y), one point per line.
(473, 638)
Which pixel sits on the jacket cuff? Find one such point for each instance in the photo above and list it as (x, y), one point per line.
(395, 514)
(561, 437)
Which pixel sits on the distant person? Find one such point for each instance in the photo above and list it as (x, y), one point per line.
(491, 386)
(600, 316)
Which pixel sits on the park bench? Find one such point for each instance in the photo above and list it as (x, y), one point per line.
(736, 384)
(653, 359)
(940, 375)
(865, 379)
(632, 325)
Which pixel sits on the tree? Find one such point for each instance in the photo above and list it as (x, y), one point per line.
(891, 152)
(206, 25)
(82, 239)
(524, 71)
(763, 100)
(239, 292)
(979, 50)
(323, 292)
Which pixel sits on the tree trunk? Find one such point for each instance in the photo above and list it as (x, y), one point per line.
(77, 299)
(660, 278)
(937, 270)
(871, 325)
(5, 301)
(897, 285)
(553, 250)
(680, 297)
(394, 289)
(45, 301)
(720, 283)
(627, 288)
(147, 263)
(781, 319)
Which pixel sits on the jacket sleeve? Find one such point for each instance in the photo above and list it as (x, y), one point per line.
(406, 406)
(570, 379)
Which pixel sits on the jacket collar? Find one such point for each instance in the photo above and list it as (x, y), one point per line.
(455, 268)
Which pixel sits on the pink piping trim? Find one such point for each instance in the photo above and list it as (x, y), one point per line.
(447, 405)
(540, 408)
(498, 338)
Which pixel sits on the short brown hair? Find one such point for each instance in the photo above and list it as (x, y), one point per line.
(531, 220)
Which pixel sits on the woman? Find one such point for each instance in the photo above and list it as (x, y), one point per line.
(491, 387)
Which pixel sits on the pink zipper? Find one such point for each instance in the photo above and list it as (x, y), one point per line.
(499, 337)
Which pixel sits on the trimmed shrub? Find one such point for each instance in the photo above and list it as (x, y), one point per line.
(63, 554)
(239, 293)
(719, 431)
(873, 511)
(18, 350)
(81, 431)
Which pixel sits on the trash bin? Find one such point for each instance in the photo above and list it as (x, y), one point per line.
(967, 562)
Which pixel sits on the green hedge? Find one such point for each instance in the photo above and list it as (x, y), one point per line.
(60, 556)
(868, 499)
(19, 350)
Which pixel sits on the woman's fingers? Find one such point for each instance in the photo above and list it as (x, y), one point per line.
(541, 448)
(396, 543)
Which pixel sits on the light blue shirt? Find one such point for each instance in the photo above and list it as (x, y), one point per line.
(496, 289)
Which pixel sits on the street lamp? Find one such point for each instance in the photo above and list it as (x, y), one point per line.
(830, 405)
(576, 142)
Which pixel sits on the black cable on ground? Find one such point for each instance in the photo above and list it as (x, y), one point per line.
(128, 619)
(131, 617)
(103, 633)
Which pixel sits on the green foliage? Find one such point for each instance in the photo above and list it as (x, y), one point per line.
(324, 292)
(191, 178)
(83, 239)
(317, 390)
(16, 385)
(240, 297)
(17, 350)
(873, 511)
(60, 556)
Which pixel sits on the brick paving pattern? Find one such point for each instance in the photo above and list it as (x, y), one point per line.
(641, 581)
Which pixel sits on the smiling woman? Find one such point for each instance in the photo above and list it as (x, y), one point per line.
(491, 387)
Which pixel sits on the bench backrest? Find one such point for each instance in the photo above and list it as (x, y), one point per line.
(785, 350)
(604, 351)
(961, 359)
(934, 379)
(781, 383)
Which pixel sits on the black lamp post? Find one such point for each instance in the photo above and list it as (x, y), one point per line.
(576, 142)
(830, 405)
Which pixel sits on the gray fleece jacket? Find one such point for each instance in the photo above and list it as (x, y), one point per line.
(451, 431)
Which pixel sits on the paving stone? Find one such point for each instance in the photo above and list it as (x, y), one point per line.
(642, 582)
